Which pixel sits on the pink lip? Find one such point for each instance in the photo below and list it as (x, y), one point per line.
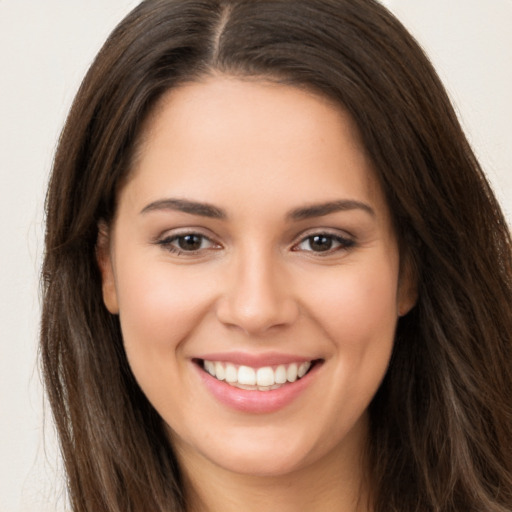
(256, 402)
(255, 360)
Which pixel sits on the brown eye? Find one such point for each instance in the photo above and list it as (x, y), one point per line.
(189, 242)
(320, 243)
(323, 243)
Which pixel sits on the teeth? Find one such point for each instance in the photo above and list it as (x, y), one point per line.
(261, 379)
(210, 367)
(247, 376)
(231, 373)
(220, 373)
(281, 376)
(303, 368)
(265, 376)
(291, 373)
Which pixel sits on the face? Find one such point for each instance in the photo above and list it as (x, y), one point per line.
(254, 267)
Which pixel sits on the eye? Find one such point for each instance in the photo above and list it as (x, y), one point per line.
(190, 243)
(323, 243)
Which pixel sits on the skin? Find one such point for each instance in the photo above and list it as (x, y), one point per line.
(258, 151)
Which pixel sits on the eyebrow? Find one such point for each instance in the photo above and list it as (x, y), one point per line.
(186, 206)
(321, 209)
(302, 213)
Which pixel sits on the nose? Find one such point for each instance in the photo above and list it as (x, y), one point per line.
(258, 295)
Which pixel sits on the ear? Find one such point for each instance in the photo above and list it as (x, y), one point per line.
(104, 260)
(407, 287)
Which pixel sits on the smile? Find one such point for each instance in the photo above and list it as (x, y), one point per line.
(266, 378)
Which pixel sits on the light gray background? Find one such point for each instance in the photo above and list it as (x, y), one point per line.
(45, 48)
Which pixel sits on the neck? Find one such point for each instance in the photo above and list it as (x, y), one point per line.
(336, 482)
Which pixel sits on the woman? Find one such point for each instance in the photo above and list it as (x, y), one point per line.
(275, 274)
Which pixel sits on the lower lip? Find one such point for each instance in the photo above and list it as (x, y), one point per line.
(257, 402)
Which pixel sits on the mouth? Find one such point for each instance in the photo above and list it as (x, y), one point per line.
(265, 378)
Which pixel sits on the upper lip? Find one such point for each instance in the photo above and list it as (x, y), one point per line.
(255, 360)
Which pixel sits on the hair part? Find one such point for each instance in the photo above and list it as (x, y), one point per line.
(441, 436)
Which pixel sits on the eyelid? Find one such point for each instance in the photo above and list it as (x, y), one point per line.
(183, 231)
(168, 237)
(345, 240)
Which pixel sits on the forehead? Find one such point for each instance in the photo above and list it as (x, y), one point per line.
(224, 134)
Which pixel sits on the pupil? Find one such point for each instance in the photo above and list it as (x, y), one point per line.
(189, 242)
(321, 243)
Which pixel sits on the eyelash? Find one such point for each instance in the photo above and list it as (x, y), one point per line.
(343, 244)
(167, 243)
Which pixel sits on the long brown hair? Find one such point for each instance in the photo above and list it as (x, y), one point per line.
(441, 423)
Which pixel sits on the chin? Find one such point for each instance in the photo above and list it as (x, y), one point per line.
(268, 461)
(267, 451)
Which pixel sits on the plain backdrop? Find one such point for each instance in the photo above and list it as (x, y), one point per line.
(45, 49)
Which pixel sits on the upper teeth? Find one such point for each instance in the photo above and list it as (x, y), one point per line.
(263, 379)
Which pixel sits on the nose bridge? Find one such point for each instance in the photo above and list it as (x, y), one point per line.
(258, 295)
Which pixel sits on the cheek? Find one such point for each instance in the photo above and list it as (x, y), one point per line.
(357, 304)
(160, 305)
(358, 313)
